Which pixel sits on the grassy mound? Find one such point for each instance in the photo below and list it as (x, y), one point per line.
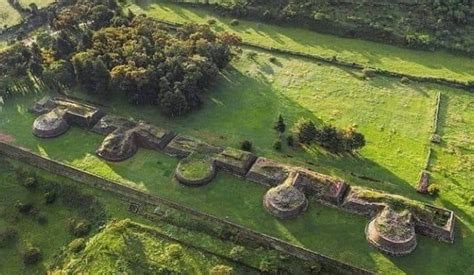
(130, 248)
(195, 169)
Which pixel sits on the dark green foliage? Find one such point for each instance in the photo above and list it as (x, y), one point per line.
(30, 183)
(433, 189)
(77, 245)
(277, 145)
(305, 131)
(234, 22)
(31, 255)
(42, 219)
(280, 125)
(269, 265)
(62, 45)
(50, 197)
(100, 16)
(80, 228)
(23, 207)
(471, 200)
(246, 145)
(61, 72)
(237, 253)
(7, 236)
(290, 140)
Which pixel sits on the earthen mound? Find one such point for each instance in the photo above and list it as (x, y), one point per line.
(51, 124)
(392, 232)
(117, 146)
(285, 201)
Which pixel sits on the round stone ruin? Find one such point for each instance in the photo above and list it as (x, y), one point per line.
(285, 201)
(392, 232)
(51, 124)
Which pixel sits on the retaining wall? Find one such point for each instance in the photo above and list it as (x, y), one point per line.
(24, 155)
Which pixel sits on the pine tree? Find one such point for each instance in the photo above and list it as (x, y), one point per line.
(280, 126)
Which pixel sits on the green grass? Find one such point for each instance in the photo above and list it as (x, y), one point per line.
(243, 104)
(417, 63)
(8, 15)
(195, 168)
(134, 249)
(39, 3)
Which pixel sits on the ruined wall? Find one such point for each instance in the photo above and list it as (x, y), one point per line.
(24, 155)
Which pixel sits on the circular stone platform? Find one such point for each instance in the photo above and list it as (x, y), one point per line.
(51, 124)
(195, 170)
(285, 201)
(118, 146)
(392, 232)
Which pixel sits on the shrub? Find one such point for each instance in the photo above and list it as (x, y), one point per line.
(277, 145)
(77, 245)
(306, 131)
(31, 255)
(433, 189)
(246, 145)
(221, 270)
(368, 72)
(50, 197)
(280, 125)
(405, 80)
(23, 207)
(471, 200)
(273, 59)
(252, 55)
(174, 251)
(30, 183)
(234, 22)
(237, 252)
(42, 219)
(290, 141)
(7, 236)
(211, 21)
(81, 228)
(268, 265)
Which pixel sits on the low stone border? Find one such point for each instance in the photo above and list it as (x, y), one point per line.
(198, 181)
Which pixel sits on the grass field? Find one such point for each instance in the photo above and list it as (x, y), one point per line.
(39, 3)
(418, 63)
(132, 248)
(8, 15)
(243, 104)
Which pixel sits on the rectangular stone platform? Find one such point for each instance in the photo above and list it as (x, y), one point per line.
(151, 137)
(322, 187)
(235, 161)
(181, 147)
(110, 123)
(268, 172)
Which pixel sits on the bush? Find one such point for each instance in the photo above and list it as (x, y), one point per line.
(277, 145)
(306, 131)
(246, 145)
(367, 72)
(405, 80)
(42, 219)
(290, 141)
(81, 228)
(273, 59)
(23, 207)
(30, 183)
(175, 251)
(221, 270)
(252, 55)
(77, 245)
(268, 265)
(31, 255)
(234, 22)
(211, 21)
(471, 200)
(7, 236)
(237, 253)
(50, 197)
(433, 189)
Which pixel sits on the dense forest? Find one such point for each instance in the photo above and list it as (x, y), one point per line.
(425, 24)
(96, 47)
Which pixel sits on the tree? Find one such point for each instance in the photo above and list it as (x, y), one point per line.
(173, 103)
(330, 138)
(306, 131)
(101, 78)
(280, 125)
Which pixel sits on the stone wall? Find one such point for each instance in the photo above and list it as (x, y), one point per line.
(24, 155)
